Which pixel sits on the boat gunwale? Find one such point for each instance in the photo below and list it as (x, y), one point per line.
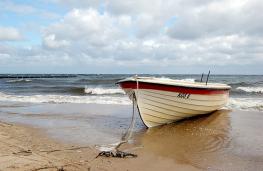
(172, 88)
(226, 88)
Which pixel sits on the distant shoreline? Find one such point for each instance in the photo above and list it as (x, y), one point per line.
(19, 76)
(127, 74)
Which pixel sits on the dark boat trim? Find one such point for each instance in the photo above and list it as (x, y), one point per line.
(172, 88)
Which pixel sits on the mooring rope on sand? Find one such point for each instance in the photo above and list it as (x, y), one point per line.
(124, 139)
(127, 135)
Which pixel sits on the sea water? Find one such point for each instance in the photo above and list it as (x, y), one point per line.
(246, 93)
(92, 108)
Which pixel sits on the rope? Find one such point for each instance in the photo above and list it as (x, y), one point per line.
(126, 136)
(129, 131)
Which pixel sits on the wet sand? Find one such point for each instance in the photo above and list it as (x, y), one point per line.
(23, 149)
(224, 140)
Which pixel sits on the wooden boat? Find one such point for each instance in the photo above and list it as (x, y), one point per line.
(162, 101)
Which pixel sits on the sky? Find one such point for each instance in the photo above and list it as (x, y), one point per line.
(131, 36)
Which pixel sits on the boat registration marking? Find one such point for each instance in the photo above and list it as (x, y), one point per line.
(183, 95)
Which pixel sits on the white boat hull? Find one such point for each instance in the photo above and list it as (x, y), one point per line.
(165, 101)
(161, 107)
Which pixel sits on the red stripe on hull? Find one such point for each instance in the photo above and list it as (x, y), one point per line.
(171, 88)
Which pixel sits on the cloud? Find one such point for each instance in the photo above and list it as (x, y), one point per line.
(87, 27)
(17, 8)
(79, 3)
(219, 18)
(149, 36)
(51, 42)
(9, 34)
(27, 9)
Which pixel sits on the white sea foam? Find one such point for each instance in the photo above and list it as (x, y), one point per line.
(101, 91)
(65, 99)
(189, 79)
(255, 104)
(251, 89)
(18, 80)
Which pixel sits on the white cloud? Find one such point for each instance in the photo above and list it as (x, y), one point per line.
(219, 18)
(9, 34)
(78, 3)
(88, 28)
(17, 8)
(51, 42)
(25, 9)
(151, 35)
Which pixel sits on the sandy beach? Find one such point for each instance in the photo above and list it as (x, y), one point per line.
(33, 138)
(23, 148)
(131, 85)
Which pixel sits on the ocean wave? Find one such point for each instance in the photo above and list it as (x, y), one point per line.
(254, 104)
(240, 84)
(250, 104)
(65, 99)
(71, 90)
(251, 89)
(249, 83)
(18, 80)
(188, 79)
(103, 91)
(97, 81)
